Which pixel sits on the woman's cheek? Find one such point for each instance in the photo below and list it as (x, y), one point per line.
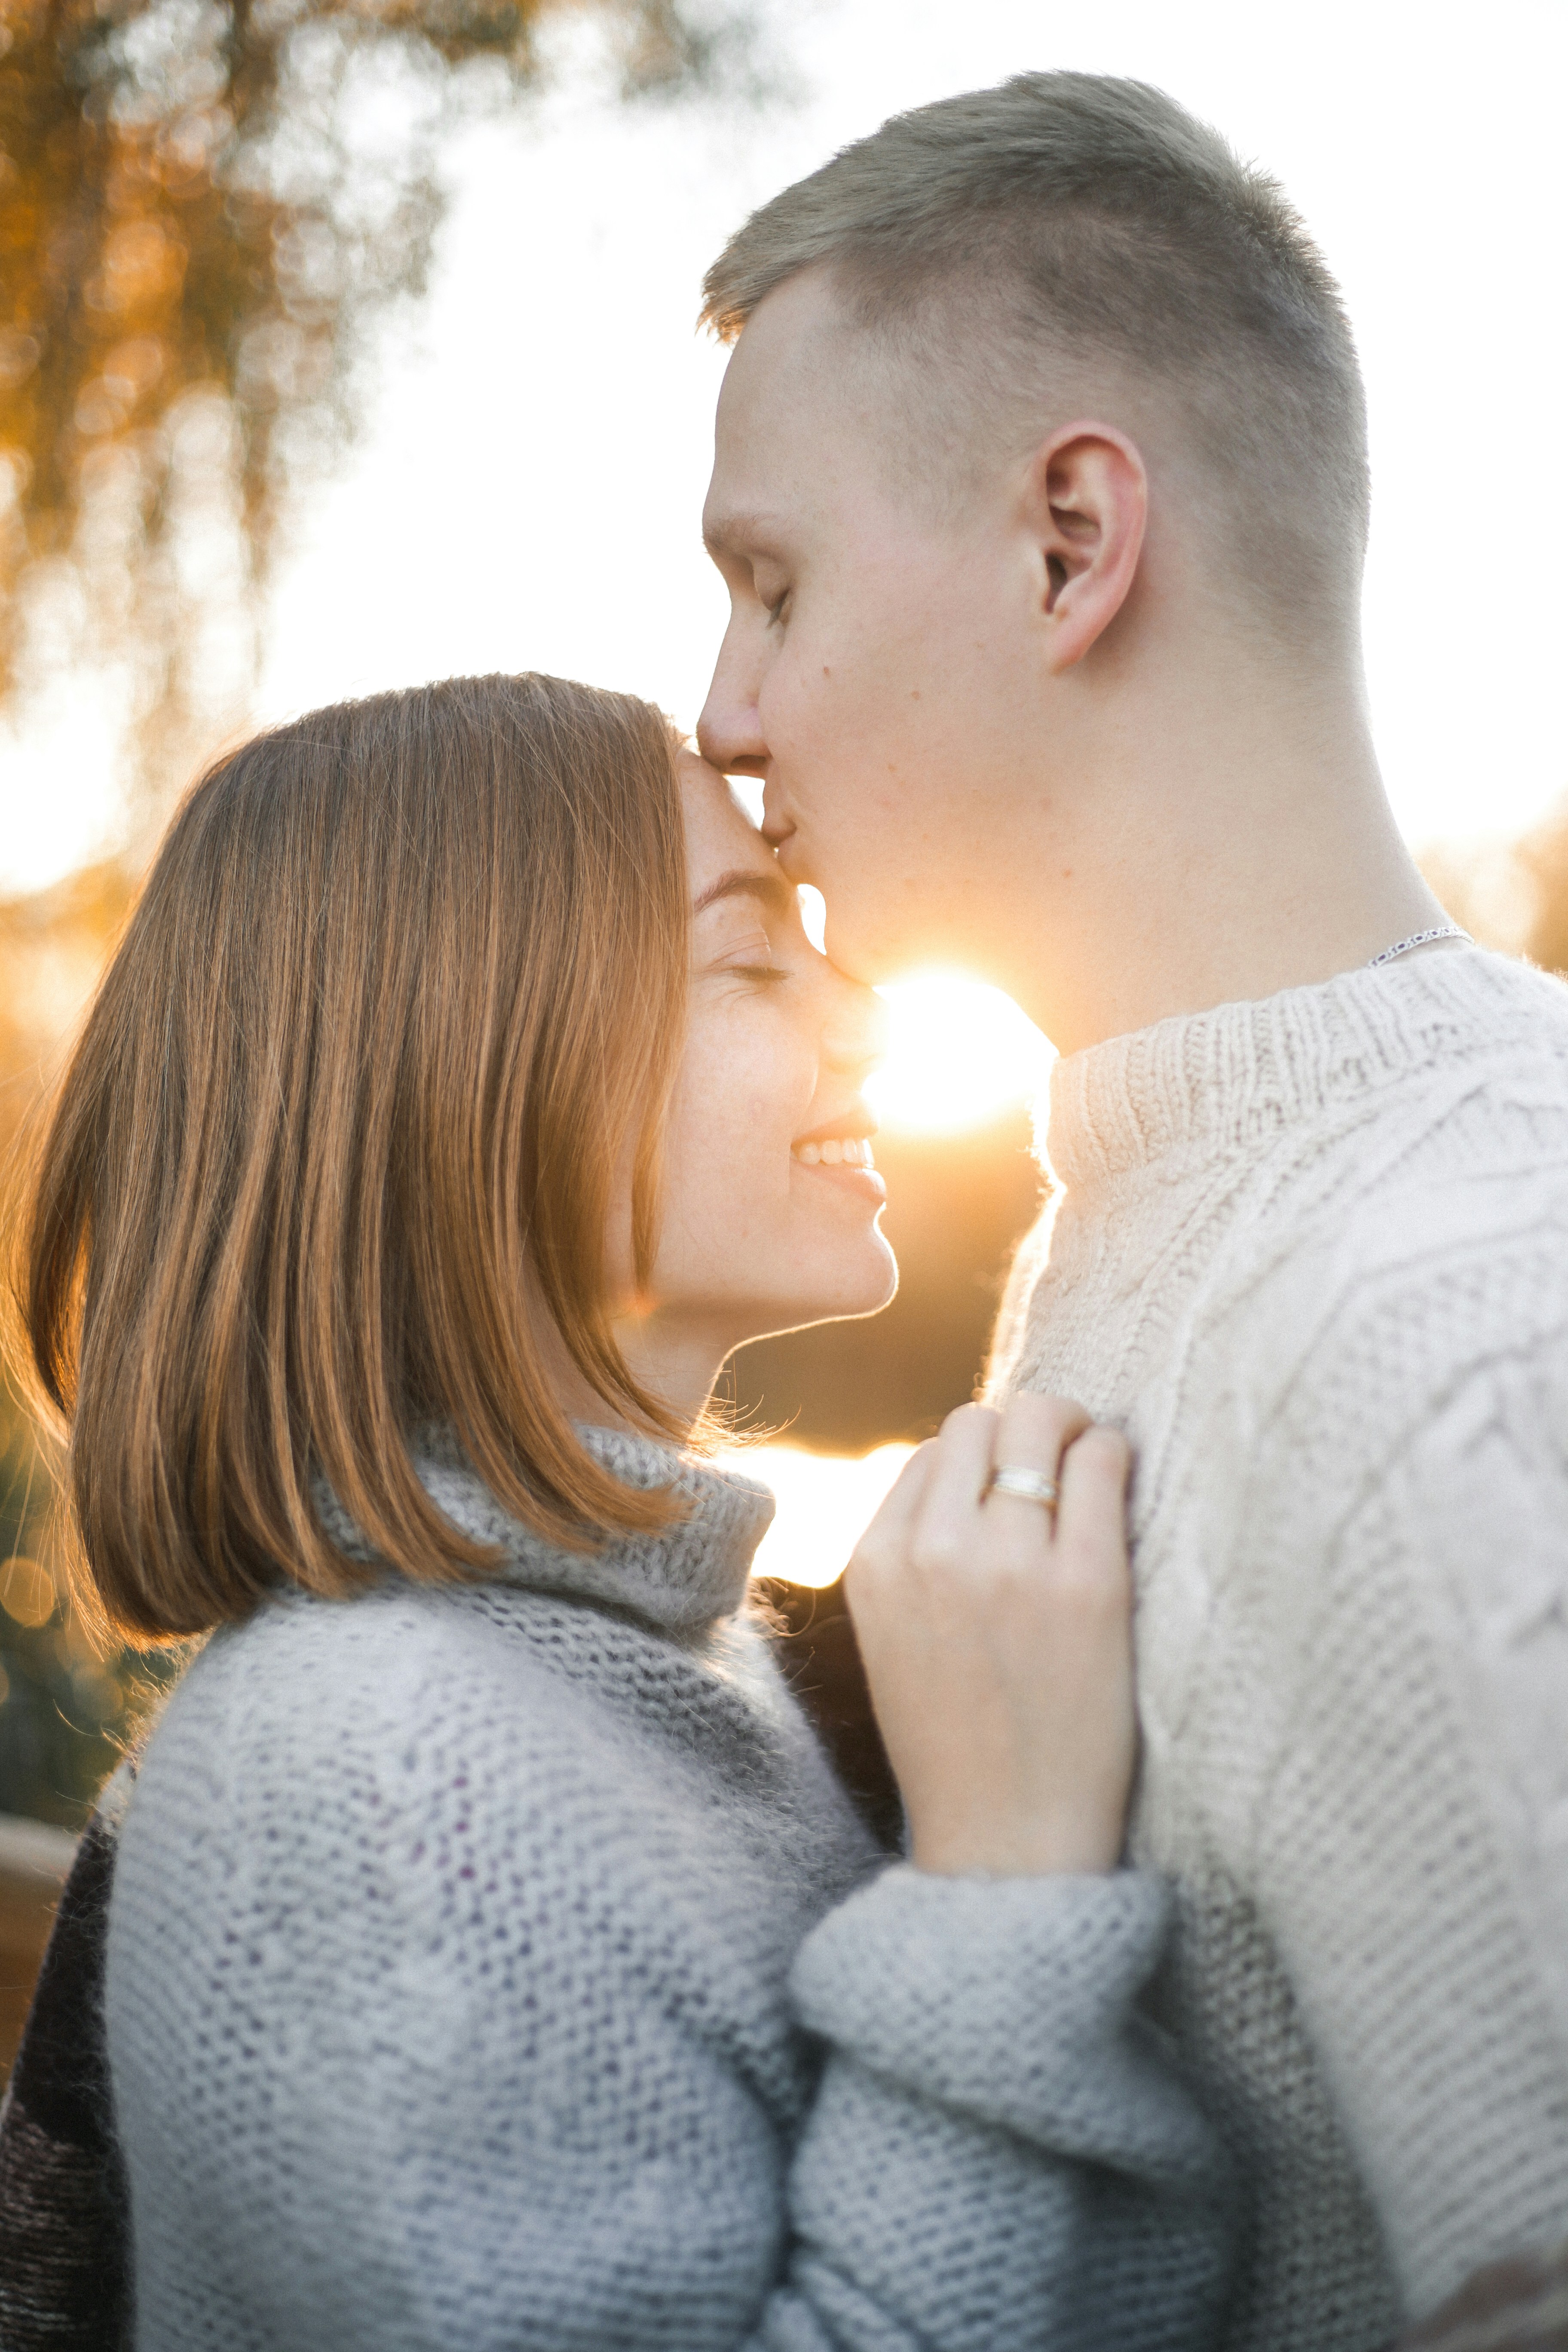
(729, 1136)
(746, 1091)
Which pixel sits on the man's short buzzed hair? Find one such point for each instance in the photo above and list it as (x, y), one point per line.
(1025, 236)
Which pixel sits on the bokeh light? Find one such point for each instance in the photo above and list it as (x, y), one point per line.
(27, 1592)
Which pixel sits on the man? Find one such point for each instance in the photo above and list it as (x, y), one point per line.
(1041, 494)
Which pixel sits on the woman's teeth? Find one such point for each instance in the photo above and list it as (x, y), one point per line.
(854, 1151)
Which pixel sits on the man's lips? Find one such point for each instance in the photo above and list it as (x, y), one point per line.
(779, 833)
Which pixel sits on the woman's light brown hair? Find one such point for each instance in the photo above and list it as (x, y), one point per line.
(337, 1151)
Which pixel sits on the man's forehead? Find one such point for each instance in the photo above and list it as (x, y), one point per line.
(774, 480)
(785, 382)
(797, 337)
(761, 462)
(808, 411)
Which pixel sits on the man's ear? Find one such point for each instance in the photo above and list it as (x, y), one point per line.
(1086, 499)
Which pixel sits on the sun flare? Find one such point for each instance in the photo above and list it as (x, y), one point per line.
(959, 1054)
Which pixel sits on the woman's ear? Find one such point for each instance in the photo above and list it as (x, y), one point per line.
(1088, 501)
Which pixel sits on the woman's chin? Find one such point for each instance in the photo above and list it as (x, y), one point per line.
(845, 1298)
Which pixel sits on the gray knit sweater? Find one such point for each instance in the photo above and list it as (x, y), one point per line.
(460, 1951)
(1313, 1254)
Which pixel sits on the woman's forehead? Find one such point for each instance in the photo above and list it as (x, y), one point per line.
(719, 835)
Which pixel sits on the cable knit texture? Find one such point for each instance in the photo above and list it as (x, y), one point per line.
(448, 1999)
(1312, 1255)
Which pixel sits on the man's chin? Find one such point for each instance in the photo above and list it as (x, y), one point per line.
(850, 951)
(795, 863)
(851, 947)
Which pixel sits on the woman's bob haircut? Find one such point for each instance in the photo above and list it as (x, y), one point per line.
(396, 1017)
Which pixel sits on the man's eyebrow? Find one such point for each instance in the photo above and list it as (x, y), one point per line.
(734, 534)
(745, 881)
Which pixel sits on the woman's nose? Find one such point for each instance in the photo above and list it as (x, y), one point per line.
(854, 1035)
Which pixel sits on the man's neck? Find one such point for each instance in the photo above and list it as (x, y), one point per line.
(1232, 845)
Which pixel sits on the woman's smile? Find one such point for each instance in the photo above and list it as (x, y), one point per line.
(843, 1160)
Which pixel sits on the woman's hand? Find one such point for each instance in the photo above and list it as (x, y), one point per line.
(998, 1641)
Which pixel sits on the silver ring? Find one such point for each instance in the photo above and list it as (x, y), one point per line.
(1028, 1486)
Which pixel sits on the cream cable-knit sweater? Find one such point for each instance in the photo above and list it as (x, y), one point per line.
(460, 1945)
(1312, 1255)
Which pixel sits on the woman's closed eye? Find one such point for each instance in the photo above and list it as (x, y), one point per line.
(755, 962)
(754, 959)
(750, 932)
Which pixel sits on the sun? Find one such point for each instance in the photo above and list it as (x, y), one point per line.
(959, 1054)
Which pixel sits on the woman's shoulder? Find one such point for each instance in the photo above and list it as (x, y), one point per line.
(333, 1772)
(305, 1685)
(359, 1722)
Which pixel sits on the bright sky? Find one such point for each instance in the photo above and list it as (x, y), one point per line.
(527, 491)
(531, 489)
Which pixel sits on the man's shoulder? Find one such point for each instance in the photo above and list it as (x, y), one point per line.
(1492, 1081)
(1435, 1298)
(1430, 1186)
(1444, 1194)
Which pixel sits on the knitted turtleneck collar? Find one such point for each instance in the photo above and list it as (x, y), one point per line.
(682, 1580)
(1222, 1080)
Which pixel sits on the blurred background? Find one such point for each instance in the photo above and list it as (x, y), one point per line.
(349, 342)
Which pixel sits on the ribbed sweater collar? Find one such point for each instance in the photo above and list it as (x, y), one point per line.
(1225, 1080)
(682, 1580)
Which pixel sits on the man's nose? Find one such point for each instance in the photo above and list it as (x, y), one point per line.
(730, 730)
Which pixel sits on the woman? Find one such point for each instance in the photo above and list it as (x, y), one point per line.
(492, 1956)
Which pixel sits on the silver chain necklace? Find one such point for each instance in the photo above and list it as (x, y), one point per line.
(1419, 939)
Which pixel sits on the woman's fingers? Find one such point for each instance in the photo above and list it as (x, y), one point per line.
(957, 1518)
(945, 1528)
(887, 1534)
(996, 1642)
(1033, 1433)
(1092, 1511)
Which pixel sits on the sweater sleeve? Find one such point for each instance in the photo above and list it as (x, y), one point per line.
(1410, 1838)
(1000, 2153)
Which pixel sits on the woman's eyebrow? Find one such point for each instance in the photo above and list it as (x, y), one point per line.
(776, 894)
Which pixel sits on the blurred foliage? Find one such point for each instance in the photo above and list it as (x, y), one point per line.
(206, 209)
(67, 1703)
(205, 206)
(1511, 895)
(53, 947)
